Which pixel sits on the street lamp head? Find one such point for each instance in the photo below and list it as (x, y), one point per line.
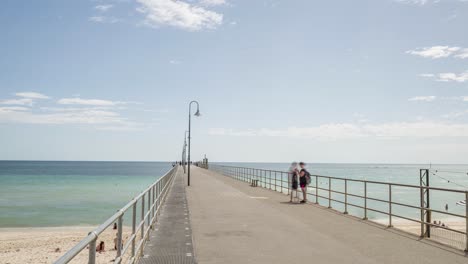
(198, 113)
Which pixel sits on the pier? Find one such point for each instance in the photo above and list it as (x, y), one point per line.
(222, 218)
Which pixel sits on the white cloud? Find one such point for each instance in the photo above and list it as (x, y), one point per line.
(72, 117)
(414, 2)
(437, 52)
(434, 52)
(213, 2)
(96, 102)
(178, 14)
(465, 98)
(427, 75)
(463, 54)
(103, 8)
(22, 101)
(174, 62)
(12, 109)
(77, 111)
(423, 2)
(339, 131)
(103, 19)
(449, 77)
(32, 95)
(423, 98)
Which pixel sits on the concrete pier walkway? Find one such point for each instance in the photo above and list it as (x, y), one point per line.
(171, 240)
(235, 223)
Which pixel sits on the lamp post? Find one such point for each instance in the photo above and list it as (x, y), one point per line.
(184, 151)
(189, 132)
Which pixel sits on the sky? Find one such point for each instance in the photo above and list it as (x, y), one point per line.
(362, 81)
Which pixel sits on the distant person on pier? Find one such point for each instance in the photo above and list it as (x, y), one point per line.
(304, 180)
(293, 179)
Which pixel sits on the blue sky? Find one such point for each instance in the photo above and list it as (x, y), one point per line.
(277, 80)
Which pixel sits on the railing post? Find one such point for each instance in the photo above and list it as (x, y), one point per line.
(154, 205)
(148, 223)
(134, 228)
(365, 201)
(466, 221)
(270, 179)
(421, 192)
(316, 190)
(329, 193)
(289, 182)
(142, 232)
(119, 236)
(275, 182)
(346, 197)
(92, 251)
(390, 205)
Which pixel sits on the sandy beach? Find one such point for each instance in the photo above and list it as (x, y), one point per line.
(45, 245)
(440, 235)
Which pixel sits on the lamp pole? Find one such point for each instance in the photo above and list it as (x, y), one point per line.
(184, 151)
(189, 133)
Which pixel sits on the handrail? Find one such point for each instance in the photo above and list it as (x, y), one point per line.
(159, 190)
(268, 179)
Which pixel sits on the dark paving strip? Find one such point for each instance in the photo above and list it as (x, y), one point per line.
(171, 240)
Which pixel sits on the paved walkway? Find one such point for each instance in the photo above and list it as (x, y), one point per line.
(235, 223)
(171, 240)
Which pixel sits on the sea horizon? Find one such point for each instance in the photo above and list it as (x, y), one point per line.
(85, 193)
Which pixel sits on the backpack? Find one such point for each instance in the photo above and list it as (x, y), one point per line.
(307, 175)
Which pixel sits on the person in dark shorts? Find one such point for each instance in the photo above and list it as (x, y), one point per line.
(304, 180)
(293, 179)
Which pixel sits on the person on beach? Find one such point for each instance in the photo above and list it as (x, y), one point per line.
(115, 226)
(101, 247)
(304, 180)
(293, 179)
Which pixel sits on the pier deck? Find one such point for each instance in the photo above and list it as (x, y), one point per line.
(171, 240)
(235, 223)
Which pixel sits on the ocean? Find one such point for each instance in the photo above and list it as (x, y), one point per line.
(70, 193)
(76, 193)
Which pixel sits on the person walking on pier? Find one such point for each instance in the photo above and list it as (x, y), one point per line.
(304, 180)
(293, 179)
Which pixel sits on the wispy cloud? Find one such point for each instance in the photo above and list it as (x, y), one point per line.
(438, 52)
(453, 77)
(180, 14)
(213, 2)
(102, 114)
(447, 76)
(416, 2)
(435, 52)
(22, 101)
(24, 98)
(424, 2)
(339, 131)
(96, 102)
(423, 98)
(32, 95)
(103, 8)
(103, 19)
(463, 54)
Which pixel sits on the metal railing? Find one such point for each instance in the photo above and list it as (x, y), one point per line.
(153, 197)
(280, 181)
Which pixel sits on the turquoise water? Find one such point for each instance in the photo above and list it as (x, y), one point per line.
(42, 194)
(51, 193)
(443, 176)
